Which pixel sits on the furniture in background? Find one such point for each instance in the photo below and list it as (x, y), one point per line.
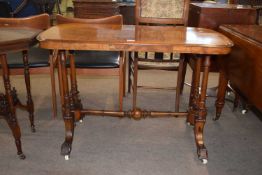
(38, 62)
(127, 10)
(15, 39)
(242, 67)
(104, 8)
(166, 13)
(95, 8)
(212, 15)
(105, 63)
(257, 4)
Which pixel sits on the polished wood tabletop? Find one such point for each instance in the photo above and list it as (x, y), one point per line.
(188, 41)
(16, 38)
(135, 38)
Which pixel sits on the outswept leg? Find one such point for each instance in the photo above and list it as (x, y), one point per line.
(200, 114)
(66, 108)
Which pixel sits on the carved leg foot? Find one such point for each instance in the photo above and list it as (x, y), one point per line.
(21, 156)
(202, 154)
(19, 149)
(201, 149)
(66, 150)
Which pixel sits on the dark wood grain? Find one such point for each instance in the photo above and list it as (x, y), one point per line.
(135, 38)
(209, 15)
(243, 66)
(95, 8)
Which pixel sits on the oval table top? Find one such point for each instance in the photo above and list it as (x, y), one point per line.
(134, 38)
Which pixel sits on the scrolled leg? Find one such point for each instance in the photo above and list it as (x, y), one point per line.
(198, 131)
(200, 114)
(66, 108)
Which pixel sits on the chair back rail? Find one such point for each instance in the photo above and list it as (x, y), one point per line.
(86, 66)
(34, 54)
(38, 22)
(117, 19)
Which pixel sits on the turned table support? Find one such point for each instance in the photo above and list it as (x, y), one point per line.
(9, 110)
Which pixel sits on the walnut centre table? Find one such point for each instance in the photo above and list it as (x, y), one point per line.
(184, 40)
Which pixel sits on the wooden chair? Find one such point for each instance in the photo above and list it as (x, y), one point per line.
(38, 58)
(106, 63)
(164, 13)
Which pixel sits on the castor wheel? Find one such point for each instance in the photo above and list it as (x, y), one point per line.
(204, 161)
(67, 157)
(65, 150)
(244, 111)
(21, 156)
(189, 124)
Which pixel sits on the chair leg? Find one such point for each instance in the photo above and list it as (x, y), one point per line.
(121, 81)
(129, 72)
(60, 81)
(236, 101)
(124, 75)
(183, 76)
(135, 77)
(52, 76)
(179, 81)
(30, 103)
(222, 86)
